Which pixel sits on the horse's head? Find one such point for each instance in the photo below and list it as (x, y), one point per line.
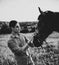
(44, 22)
(44, 18)
(44, 14)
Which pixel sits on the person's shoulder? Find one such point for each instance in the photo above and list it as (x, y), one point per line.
(11, 40)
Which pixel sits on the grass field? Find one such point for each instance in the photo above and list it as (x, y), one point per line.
(5, 52)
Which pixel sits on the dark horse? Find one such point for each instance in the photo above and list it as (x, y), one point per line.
(48, 22)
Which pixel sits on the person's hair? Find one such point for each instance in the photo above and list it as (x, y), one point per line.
(12, 23)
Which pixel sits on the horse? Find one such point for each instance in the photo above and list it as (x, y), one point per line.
(48, 21)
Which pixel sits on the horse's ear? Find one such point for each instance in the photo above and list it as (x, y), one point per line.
(40, 10)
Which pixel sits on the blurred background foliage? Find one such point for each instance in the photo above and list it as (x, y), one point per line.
(27, 27)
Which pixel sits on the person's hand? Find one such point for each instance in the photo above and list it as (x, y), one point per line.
(25, 47)
(30, 44)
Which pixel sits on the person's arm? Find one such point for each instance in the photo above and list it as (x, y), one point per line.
(27, 45)
(15, 48)
(25, 41)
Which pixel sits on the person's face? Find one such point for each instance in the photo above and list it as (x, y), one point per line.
(17, 28)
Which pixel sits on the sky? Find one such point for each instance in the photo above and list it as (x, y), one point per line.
(25, 10)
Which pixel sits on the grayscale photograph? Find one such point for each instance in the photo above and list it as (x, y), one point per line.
(29, 32)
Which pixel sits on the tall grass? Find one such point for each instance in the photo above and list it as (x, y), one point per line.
(6, 56)
(45, 55)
